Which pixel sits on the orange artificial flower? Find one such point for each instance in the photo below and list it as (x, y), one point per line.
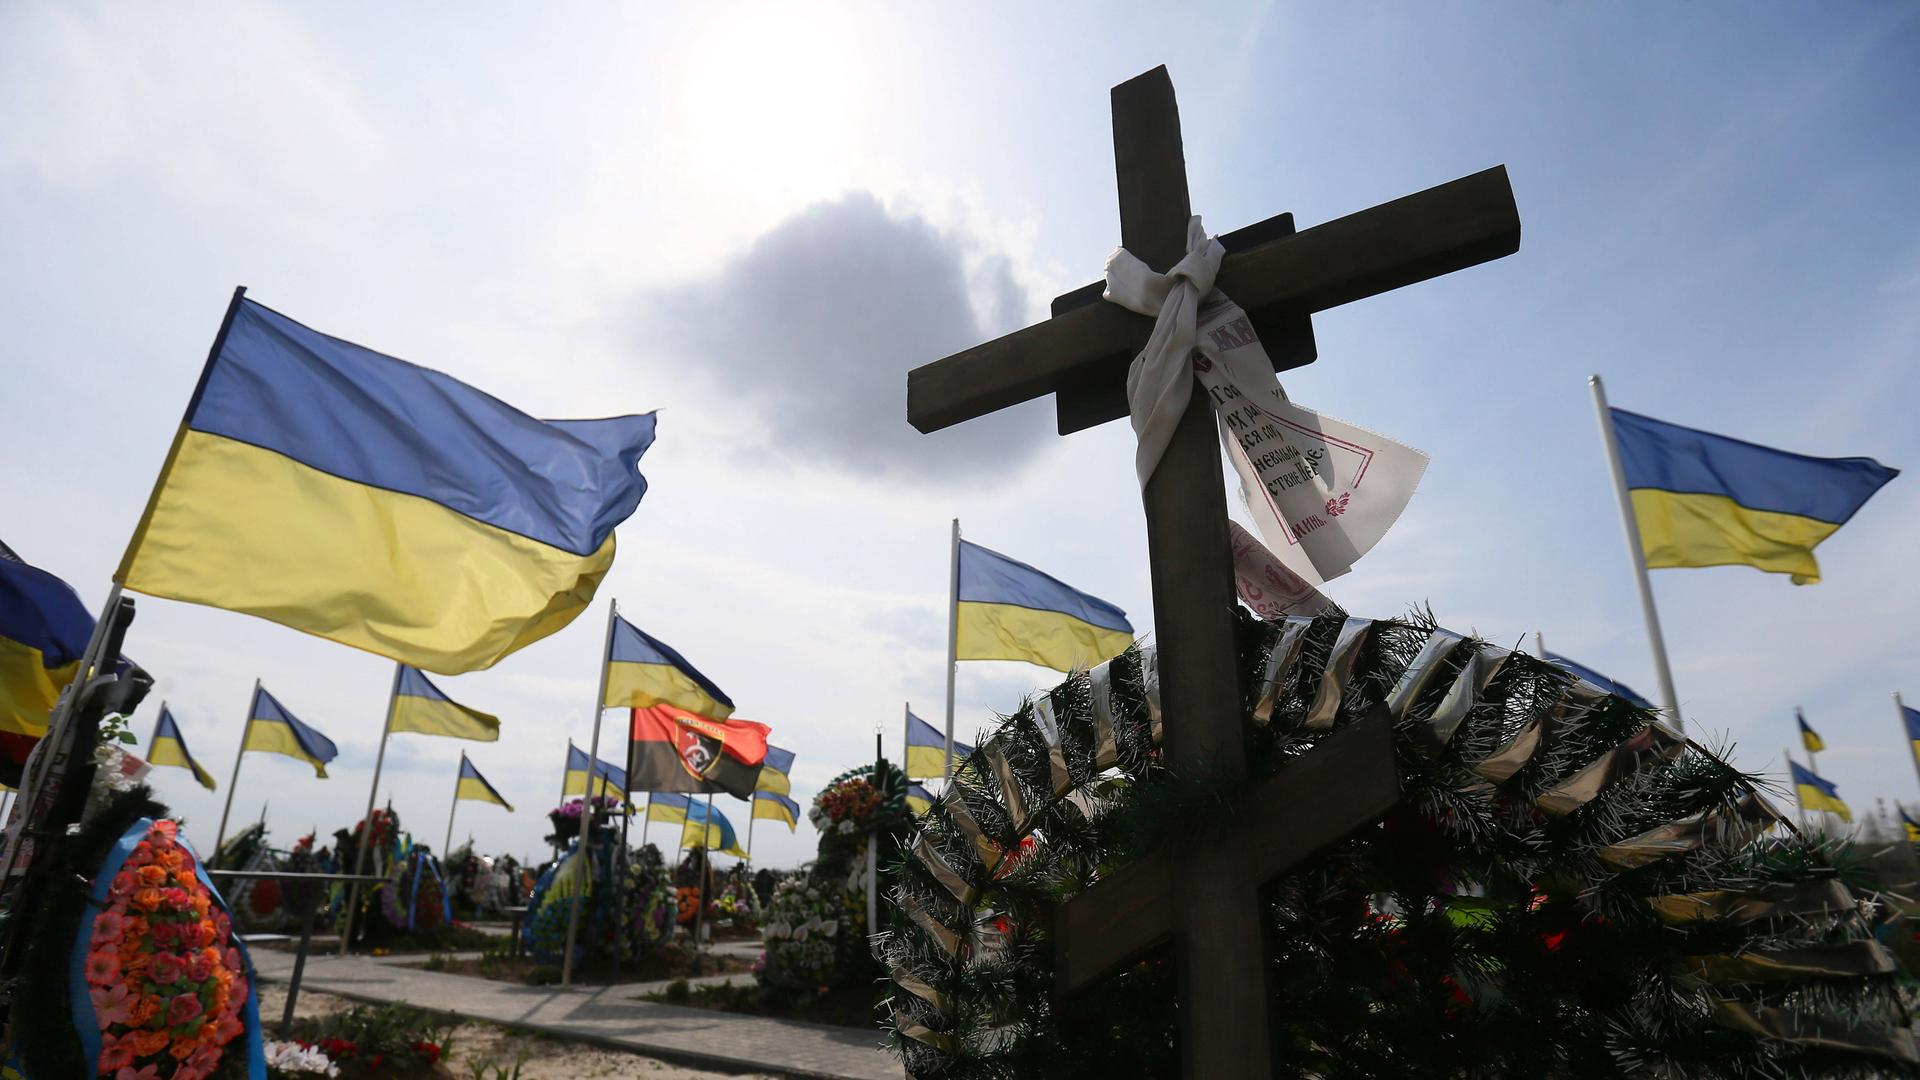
(136, 930)
(147, 899)
(171, 859)
(149, 1043)
(184, 1048)
(151, 876)
(145, 1010)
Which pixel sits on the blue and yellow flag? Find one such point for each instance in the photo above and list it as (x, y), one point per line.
(1912, 826)
(1707, 500)
(1809, 738)
(421, 707)
(359, 498)
(1605, 684)
(1010, 611)
(776, 807)
(474, 787)
(667, 807)
(1912, 717)
(775, 771)
(919, 800)
(44, 630)
(1818, 794)
(643, 671)
(607, 779)
(272, 729)
(169, 747)
(927, 750)
(709, 828)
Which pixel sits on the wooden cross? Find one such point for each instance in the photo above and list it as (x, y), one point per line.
(1204, 894)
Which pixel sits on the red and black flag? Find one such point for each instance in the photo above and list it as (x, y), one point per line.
(677, 750)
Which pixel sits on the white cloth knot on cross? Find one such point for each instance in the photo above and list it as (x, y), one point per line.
(1159, 382)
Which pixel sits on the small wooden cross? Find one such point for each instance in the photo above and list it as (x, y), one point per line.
(1204, 894)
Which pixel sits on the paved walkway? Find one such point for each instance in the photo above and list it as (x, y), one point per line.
(606, 1016)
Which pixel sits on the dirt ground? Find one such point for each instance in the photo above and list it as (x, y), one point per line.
(485, 1045)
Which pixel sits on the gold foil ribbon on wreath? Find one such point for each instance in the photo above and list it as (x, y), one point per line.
(1653, 742)
(922, 1034)
(1806, 900)
(1333, 681)
(948, 941)
(1280, 661)
(1771, 1023)
(1009, 787)
(1421, 672)
(1729, 826)
(944, 874)
(1106, 751)
(1845, 959)
(1481, 666)
(919, 988)
(988, 852)
(1049, 725)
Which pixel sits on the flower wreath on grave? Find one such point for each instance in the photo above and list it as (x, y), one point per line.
(802, 931)
(652, 904)
(135, 968)
(1566, 887)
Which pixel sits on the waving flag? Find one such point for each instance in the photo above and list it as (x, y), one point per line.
(1912, 826)
(1911, 716)
(474, 787)
(1010, 611)
(643, 671)
(1605, 684)
(927, 750)
(359, 498)
(776, 807)
(44, 629)
(608, 780)
(272, 729)
(1809, 738)
(676, 750)
(1707, 500)
(775, 772)
(709, 828)
(420, 706)
(169, 747)
(919, 800)
(1818, 794)
(667, 808)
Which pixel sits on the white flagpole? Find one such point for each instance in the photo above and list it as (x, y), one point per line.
(447, 847)
(906, 737)
(646, 823)
(1539, 645)
(586, 804)
(1632, 525)
(753, 804)
(234, 780)
(373, 793)
(1813, 757)
(953, 637)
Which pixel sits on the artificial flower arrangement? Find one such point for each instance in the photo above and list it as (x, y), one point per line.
(165, 976)
(413, 898)
(289, 1059)
(652, 905)
(804, 923)
(566, 819)
(737, 901)
(845, 806)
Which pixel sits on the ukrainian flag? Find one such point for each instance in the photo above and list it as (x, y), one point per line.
(420, 706)
(927, 749)
(169, 747)
(474, 787)
(643, 671)
(1010, 611)
(359, 498)
(44, 630)
(776, 807)
(272, 729)
(1707, 500)
(709, 828)
(608, 780)
(1912, 716)
(1809, 738)
(1912, 826)
(667, 808)
(774, 770)
(1818, 794)
(919, 799)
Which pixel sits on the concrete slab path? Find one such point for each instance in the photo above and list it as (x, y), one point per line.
(606, 1016)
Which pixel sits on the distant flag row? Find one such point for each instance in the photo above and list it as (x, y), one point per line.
(1819, 794)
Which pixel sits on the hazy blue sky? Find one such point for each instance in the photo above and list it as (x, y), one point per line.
(757, 219)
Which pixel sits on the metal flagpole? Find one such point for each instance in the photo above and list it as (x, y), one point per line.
(1539, 645)
(563, 793)
(447, 848)
(1632, 525)
(234, 780)
(586, 805)
(373, 793)
(1813, 757)
(953, 637)
(156, 730)
(873, 838)
(906, 735)
(646, 823)
(706, 871)
(1900, 714)
(753, 804)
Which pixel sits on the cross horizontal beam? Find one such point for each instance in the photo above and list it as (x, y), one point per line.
(1347, 782)
(1424, 235)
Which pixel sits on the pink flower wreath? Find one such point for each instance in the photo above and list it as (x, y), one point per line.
(166, 979)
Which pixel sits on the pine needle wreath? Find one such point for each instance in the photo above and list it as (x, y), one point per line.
(1567, 887)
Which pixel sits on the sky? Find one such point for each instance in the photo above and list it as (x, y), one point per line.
(757, 218)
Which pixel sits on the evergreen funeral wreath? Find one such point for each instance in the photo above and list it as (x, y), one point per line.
(1568, 886)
